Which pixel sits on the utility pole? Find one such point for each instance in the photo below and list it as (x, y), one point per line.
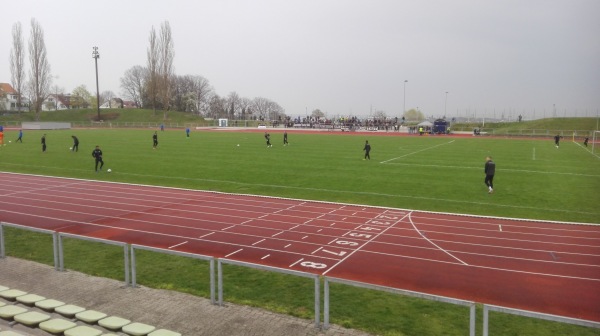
(96, 55)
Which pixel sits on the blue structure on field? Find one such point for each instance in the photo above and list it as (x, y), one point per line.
(440, 126)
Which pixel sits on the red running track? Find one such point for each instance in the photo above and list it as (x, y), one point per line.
(539, 266)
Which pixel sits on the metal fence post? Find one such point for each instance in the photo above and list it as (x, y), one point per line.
(133, 266)
(212, 280)
(126, 254)
(317, 301)
(61, 257)
(2, 251)
(55, 250)
(326, 304)
(220, 280)
(472, 320)
(485, 320)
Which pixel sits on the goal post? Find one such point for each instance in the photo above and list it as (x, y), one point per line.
(595, 144)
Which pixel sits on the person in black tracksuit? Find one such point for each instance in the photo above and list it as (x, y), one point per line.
(155, 140)
(75, 147)
(490, 170)
(367, 150)
(44, 143)
(97, 154)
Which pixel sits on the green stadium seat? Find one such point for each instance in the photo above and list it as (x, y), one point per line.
(9, 311)
(9, 333)
(90, 316)
(83, 331)
(30, 299)
(69, 310)
(113, 322)
(138, 329)
(57, 326)
(32, 318)
(49, 304)
(11, 294)
(164, 332)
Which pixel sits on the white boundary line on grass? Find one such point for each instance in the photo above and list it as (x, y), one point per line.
(422, 150)
(337, 203)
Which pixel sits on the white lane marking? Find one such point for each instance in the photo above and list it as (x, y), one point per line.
(232, 253)
(206, 235)
(265, 257)
(185, 242)
(432, 243)
(258, 242)
(299, 260)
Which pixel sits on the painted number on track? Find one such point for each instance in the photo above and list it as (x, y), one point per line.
(345, 242)
(379, 222)
(311, 264)
(359, 235)
(339, 254)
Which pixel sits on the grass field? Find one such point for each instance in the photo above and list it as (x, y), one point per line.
(533, 180)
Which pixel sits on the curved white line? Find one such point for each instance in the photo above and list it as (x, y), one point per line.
(432, 243)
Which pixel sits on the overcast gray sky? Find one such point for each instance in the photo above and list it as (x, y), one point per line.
(343, 57)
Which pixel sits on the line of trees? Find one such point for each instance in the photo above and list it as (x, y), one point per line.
(37, 87)
(156, 86)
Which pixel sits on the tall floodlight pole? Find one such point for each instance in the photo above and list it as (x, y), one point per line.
(404, 107)
(96, 55)
(446, 105)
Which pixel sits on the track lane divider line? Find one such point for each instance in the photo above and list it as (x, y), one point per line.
(185, 242)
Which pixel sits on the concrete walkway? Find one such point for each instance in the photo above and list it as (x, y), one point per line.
(183, 313)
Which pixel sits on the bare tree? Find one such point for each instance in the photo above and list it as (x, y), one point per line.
(39, 75)
(133, 83)
(245, 104)
(17, 62)
(235, 108)
(153, 55)
(107, 96)
(165, 68)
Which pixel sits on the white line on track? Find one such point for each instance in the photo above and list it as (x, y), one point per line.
(265, 257)
(258, 242)
(299, 260)
(304, 237)
(263, 216)
(206, 235)
(185, 242)
(432, 243)
(232, 253)
(277, 234)
(319, 230)
(500, 227)
(317, 250)
(246, 222)
(227, 228)
(288, 245)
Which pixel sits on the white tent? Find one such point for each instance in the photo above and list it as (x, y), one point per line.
(425, 124)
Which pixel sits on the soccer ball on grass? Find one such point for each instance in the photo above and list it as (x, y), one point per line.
(108, 170)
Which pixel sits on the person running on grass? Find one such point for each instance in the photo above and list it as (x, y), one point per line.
(585, 141)
(20, 138)
(97, 154)
(490, 170)
(155, 140)
(285, 141)
(268, 138)
(557, 140)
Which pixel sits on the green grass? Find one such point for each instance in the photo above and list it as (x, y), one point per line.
(423, 173)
